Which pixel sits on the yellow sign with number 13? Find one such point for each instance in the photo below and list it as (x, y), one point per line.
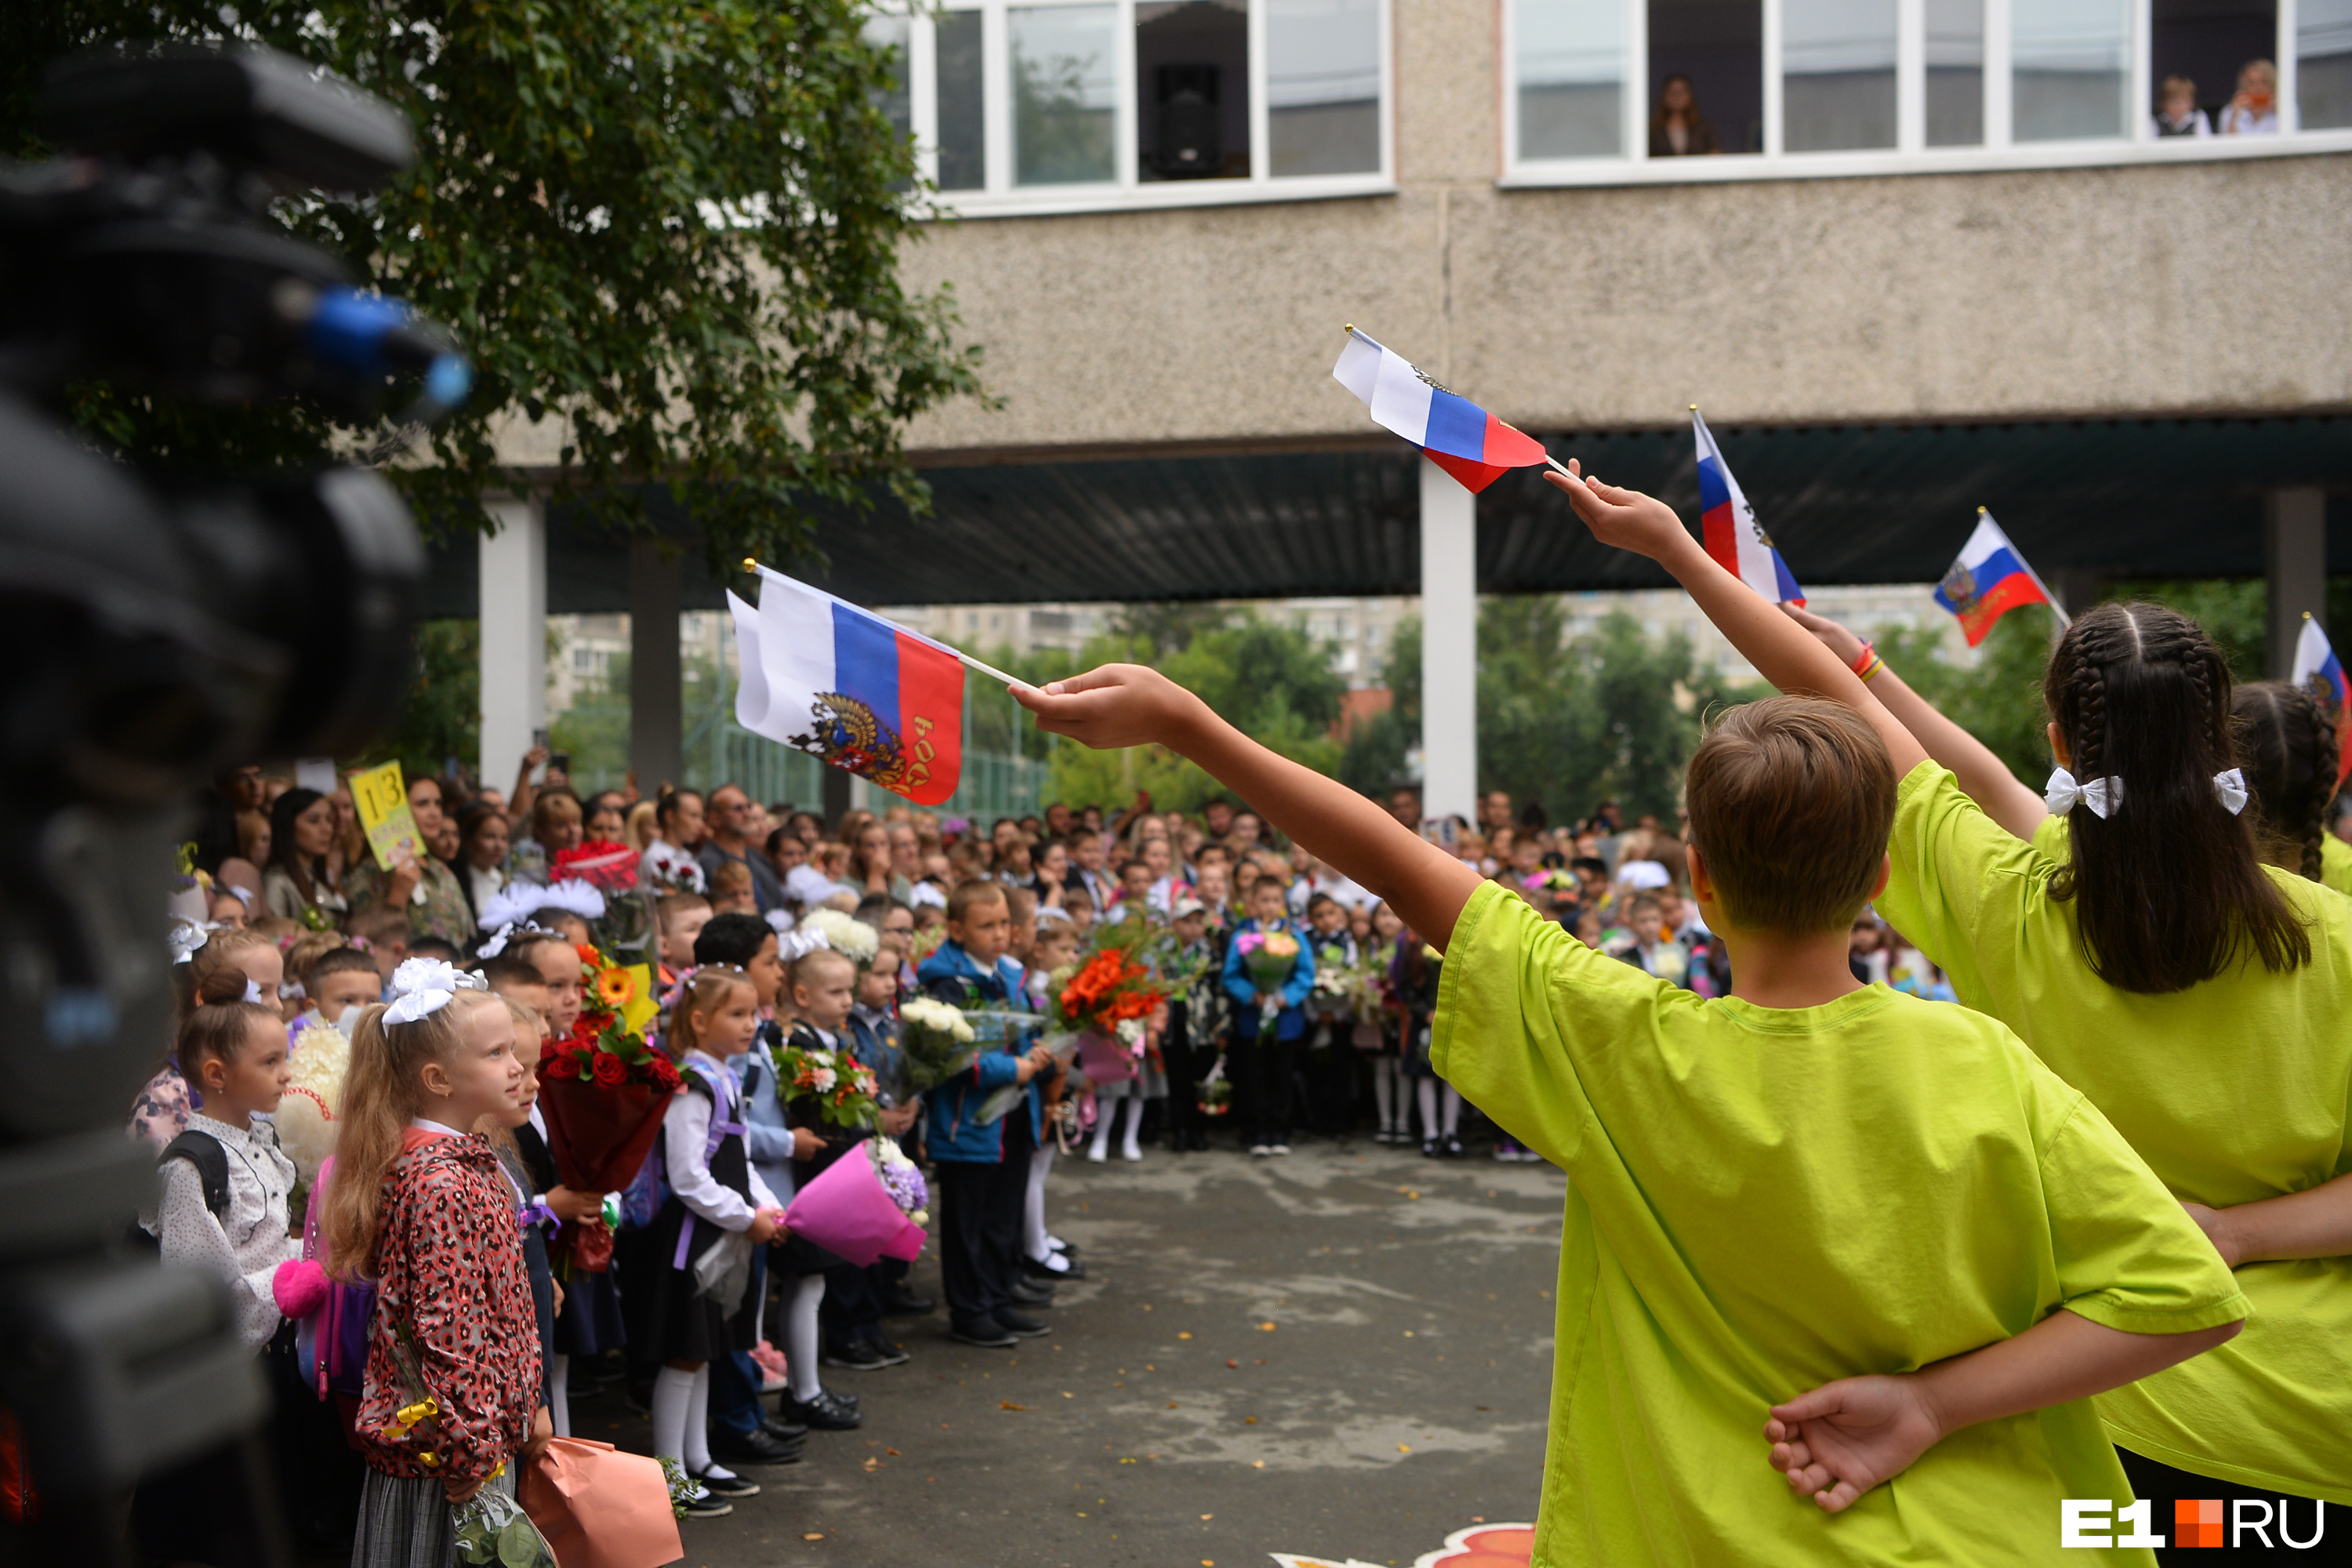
(381, 799)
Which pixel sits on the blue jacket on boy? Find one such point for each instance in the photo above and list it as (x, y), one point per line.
(767, 1135)
(951, 975)
(1292, 1023)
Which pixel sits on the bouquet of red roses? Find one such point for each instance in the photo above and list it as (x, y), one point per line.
(604, 1090)
(607, 867)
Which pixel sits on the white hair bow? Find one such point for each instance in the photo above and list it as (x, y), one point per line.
(187, 936)
(2103, 796)
(2231, 786)
(423, 986)
(794, 945)
(496, 945)
(253, 993)
(780, 921)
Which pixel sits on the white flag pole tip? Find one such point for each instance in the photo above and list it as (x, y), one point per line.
(1557, 465)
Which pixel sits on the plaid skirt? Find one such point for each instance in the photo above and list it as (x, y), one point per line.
(405, 1522)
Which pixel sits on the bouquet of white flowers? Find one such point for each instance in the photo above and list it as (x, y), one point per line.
(938, 1040)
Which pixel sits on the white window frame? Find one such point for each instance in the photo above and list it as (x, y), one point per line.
(1128, 191)
(2135, 144)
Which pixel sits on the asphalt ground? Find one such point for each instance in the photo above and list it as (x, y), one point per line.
(1341, 1355)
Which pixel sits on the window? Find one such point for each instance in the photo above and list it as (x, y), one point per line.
(1604, 91)
(1060, 105)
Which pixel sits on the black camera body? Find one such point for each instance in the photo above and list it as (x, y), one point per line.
(154, 630)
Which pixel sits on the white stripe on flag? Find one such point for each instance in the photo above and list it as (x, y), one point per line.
(1401, 399)
(2311, 652)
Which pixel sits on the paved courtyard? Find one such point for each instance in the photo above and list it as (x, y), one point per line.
(1343, 1355)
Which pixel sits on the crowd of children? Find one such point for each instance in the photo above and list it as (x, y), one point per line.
(1944, 1266)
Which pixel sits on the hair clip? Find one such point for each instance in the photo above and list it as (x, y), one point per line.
(2103, 796)
(2230, 788)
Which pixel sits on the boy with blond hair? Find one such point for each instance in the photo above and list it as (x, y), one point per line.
(1861, 1237)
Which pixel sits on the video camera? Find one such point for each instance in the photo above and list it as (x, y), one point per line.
(156, 628)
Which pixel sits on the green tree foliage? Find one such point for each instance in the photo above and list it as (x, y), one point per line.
(1565, 722)
(671, 233)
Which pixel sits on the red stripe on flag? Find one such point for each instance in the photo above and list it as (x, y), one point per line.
(1722, 540)
(2007, 594)
(1509, 448)
(1473, 475)
(931, 721)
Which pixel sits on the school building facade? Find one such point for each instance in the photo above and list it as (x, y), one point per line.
(1943, 259)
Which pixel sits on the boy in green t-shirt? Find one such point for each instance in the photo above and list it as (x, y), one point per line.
(1865, 1238)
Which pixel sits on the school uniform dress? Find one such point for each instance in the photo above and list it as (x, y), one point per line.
(1761, 1200)
(450, 1270)
(713, 1190)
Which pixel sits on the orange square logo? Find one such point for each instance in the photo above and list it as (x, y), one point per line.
(2196, 1522)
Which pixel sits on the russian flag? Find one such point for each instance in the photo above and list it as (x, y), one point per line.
(1734, 537)
(2318, 671)
(1458, 435)
(844, 684)
(1989, 580)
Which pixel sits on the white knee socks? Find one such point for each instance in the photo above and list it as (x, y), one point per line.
(1032, 1204)
(698, 1428)
(1384, 1088)
(1431, 1126)
(1107, 1103)
(558, 1392)
(1129, 1147)
(673, 1392)
(799, 1336)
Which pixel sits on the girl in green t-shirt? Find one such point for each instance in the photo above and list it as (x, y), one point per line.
(2201, 999)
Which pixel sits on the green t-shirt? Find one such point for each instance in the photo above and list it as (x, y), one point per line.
(2336, 864)
(2232, 1090)
(1761, 1201)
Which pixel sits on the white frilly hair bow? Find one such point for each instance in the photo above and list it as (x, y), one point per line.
(423, 986)
(187, 936)
(2230, 785)
(794, 945)
(2103, 796)
(496, 945)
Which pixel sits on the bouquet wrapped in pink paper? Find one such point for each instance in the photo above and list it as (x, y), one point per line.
(1104, 1059)
(869, 1203)
(598, 1508)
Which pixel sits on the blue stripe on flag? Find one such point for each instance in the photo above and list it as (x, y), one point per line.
(1790, 592)
(1457, 426)
(1712, 491)
(1990, 572)
(865, 662)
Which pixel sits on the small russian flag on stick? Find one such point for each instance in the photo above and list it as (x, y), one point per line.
(843, 684)
(1457, 435)
(1990, 579)
(1733, 536)
(2318, 671)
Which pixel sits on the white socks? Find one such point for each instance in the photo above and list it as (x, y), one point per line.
(558, 1392)
(1430, 1126)
(1129, 1147)
(672, 1393)
(698, 1428)
(1107, 1103)
(1384, 1090)
(800, 1337)
(1032, 1204)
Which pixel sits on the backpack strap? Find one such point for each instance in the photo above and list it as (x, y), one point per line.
(202, 1151)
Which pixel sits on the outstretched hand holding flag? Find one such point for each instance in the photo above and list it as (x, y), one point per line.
(845, 685)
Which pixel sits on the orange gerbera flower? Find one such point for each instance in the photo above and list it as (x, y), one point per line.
(616, 988)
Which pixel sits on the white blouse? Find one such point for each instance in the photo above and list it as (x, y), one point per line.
(684, 1130)
(243, 1247)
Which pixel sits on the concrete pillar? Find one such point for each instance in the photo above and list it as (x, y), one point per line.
(2077, 587)
(1449, 646)
(657, 729)
(514, 635)
(2295, 567)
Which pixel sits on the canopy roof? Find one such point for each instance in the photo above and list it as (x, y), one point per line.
(1875, 503)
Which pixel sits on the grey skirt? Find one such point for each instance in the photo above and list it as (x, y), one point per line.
(405, 1522)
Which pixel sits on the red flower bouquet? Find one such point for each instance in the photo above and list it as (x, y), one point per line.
(604, 1090)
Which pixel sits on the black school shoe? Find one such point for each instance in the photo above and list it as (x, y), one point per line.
(984, 1334)
(858, 1355)
(1032, 1293)
(754, 1447)
(708, 1505)
(826, 1413)
(730, 1487)
(897, 1301)
(781, 1430)
(1019, 1326)
(1046, 1273)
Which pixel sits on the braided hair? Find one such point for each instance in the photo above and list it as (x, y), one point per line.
(2169, 891)
(2287, 746)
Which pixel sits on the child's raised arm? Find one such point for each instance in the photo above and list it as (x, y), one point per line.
(1783, 652)
(1129, 705)
(1985, 777)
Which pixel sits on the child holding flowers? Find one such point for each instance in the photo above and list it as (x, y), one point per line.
(713, 1191)
(451, 1393)
(1269, 972)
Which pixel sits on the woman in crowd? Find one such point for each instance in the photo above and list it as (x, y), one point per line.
(300, 883)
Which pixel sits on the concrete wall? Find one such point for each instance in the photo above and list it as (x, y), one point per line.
(2219, 285)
